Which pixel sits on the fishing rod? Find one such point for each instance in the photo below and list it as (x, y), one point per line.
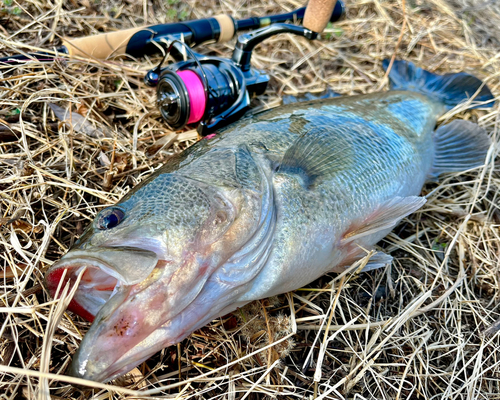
(150, 40)
(211, 92)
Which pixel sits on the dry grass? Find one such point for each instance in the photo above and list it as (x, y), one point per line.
(412, 331)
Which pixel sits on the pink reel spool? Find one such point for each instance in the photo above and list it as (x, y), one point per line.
(196, 92)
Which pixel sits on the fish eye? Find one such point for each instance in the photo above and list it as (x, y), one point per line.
(109, 218)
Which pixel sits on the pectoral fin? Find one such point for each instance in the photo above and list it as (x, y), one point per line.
(314, 156)
(386, 216)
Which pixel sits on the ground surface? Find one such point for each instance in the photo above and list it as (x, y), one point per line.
(415, 330)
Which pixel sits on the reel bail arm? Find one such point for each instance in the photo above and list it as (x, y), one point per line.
(246, 43)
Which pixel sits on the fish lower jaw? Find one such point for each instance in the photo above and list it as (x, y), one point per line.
(97, 367)
(94, 360)
(79, 370)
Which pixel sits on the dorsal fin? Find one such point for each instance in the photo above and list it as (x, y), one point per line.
(449, 89)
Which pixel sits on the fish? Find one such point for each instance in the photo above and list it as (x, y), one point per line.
(266, 206)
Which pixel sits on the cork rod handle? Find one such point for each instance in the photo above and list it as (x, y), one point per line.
(101, 46)
(317, 15)
(112, 44)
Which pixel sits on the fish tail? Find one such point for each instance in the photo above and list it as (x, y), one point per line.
(449, 89)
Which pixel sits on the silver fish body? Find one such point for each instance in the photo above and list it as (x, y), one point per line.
(267, 206)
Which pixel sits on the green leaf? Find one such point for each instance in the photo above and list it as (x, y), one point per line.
(338, 32)
(172, 14)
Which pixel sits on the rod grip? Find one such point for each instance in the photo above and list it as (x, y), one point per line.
(101, 46)
(226, 27)
(317, 15)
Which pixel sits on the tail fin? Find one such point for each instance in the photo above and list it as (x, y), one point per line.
(449, 89)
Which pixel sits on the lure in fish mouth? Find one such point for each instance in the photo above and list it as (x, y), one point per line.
(272, 203)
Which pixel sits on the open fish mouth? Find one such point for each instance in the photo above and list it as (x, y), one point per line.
(122, 292)
(102, 275)
(96, 285)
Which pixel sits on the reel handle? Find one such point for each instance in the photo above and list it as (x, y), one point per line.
(317, 15)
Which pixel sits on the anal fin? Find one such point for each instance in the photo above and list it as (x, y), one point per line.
(385, 217)
(378, 260)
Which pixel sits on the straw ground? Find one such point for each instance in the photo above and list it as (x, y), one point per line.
(414, 330)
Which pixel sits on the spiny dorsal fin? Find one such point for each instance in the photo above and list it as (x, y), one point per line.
(449, 89)
(386, 216)
(315, 156)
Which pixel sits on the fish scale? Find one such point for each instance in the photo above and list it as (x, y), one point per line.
(270, 204)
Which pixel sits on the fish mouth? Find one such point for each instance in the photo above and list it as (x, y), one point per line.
(108, 277)
(101, 278)
(96, 285)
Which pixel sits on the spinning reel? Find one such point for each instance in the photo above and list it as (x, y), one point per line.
(213, 91)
